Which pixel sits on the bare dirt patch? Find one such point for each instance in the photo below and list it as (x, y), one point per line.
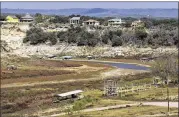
(20, 73)
(54, 63)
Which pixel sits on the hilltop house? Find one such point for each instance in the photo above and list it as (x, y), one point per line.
(75, 20)
(12, 19)
(26, 18)
(91, 22)
(115, 22)
(137, 23)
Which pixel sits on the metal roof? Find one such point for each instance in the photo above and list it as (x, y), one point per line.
(66, 56)
(13, 16)
(27, 16)
(69, 93)
(75, 18)
(91, 20)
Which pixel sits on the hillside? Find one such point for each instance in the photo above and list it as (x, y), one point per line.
(13, 34)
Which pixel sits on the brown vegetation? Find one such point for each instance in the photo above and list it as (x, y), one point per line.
(54, 63)
(28, 99)
(20, 73)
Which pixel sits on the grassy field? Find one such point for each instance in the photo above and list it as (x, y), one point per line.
(126, 112)
(153, 94)
(92, 98)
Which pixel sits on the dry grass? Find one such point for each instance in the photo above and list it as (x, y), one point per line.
(126, 112)
(27, 99)
(51, 70)
(20, 73)
(153, 94)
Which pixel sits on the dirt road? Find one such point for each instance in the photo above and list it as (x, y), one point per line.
(163, 104)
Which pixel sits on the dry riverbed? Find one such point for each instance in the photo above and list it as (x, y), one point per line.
(34, 83)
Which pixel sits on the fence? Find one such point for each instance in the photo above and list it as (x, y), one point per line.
(126, 89)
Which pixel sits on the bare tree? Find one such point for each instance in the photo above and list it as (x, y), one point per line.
(166, 67)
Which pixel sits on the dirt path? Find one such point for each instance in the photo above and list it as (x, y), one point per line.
(157, 115)
(97, 109)
(163, 104)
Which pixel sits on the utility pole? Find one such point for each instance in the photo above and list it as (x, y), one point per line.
(168, 100)
(140, 93)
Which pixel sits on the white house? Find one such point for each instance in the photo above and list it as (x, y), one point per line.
(115, 22)
(91, 22)
(75, 20)
(137, 23)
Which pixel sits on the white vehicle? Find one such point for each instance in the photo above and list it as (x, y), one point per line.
(66, 57)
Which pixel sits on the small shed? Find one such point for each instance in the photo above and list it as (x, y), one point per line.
(76, 94)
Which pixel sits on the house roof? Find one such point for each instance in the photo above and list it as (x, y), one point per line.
(75, 18)
(13, 16)
(69, 93)
(91, 20)
(137, 21)
(27, 16)
(114, 20)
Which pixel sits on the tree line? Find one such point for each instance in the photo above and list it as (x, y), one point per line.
(164, 35)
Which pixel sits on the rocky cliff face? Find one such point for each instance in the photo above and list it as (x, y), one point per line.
(12, 37)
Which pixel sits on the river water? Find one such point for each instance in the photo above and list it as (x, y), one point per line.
(128, 66)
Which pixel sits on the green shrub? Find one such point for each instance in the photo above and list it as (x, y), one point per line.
(118, 33)
(38, 18)
(116, 41)
(140, 33)
(52, 38)
(36, 36)
(93, 41)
